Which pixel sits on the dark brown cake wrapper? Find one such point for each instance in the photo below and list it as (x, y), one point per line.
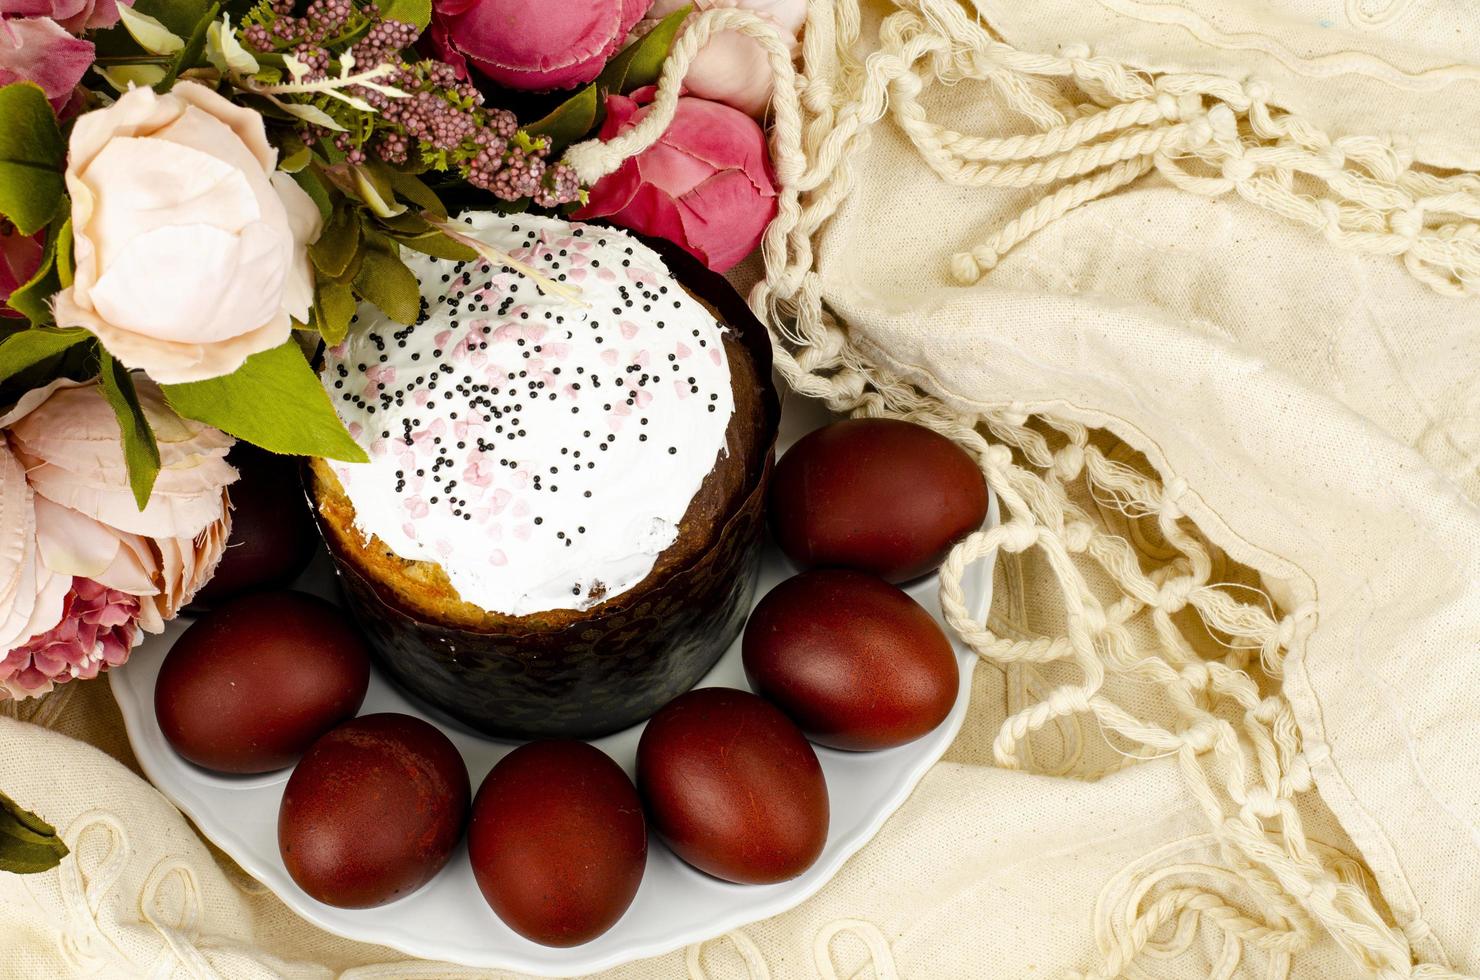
(629, 657)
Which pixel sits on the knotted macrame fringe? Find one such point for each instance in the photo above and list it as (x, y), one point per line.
(1238, 749)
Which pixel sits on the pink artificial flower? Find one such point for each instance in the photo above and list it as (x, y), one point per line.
(20, 257)
(533, 46)
(733, 68)
(74, 16)
(706, 185)
(38, 49)
(98, 628)
(83, 571)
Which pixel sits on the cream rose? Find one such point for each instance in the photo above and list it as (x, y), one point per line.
(191, 252)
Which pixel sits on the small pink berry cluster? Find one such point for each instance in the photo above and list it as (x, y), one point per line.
(323, 21)
(442, 122)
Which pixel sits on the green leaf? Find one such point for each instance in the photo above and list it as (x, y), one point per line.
(66, 265)
(334, 307)
(28, 844)
(313, 185)
(337, 243)
(32, 156)
(295, 161)
(385, 280)
(435, 243)
(152, 36)
(22, 351)
(408, 224)
(311, 114)
(641, 62)
(275, 401)
(120, 77)
(140, 451)
(417, 12)
(570, 121)
(373, 183)
(412, 189)
(195, 46)
(180, 16)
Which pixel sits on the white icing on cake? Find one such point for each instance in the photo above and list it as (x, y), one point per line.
(542, 452)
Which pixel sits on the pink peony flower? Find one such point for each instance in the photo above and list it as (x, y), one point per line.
(20, 257)
(83, 571)
(733, 68)
(706, 185)
(38, 49)
(533, 46)
(74, 16)
(98, 628)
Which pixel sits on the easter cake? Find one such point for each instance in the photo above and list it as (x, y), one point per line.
(547, 465)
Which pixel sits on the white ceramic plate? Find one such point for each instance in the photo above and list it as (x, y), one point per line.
(447, 919)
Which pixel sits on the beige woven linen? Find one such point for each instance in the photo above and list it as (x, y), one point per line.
(1224, 721)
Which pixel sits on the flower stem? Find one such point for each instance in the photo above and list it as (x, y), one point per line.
(494, 257)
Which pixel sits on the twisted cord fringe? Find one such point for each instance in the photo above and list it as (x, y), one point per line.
(1238, 750)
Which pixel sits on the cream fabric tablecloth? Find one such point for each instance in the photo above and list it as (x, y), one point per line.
(1231, 405)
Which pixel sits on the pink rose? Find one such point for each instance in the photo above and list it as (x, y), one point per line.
(83, 571)
(191, 250)
(733, 68)
(20, 257)
(533, 46)
(74, 16)
(37, 49)
(706, 185)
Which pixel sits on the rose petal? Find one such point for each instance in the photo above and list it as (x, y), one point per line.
(245, 123)
(236, 283)
(77, 429)
(306, 223)
(17, 548)
(71, 544)
(722, 217)
(554, 44)
(37, 49)
(168, 362)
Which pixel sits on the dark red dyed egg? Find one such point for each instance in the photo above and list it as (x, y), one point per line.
(272, 532)
(250, 685)
(878, 495)
(853, 660)
(732, 786)
(558, 842)
(373, 811)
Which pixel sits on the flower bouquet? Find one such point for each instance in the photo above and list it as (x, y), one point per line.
(196, 198)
